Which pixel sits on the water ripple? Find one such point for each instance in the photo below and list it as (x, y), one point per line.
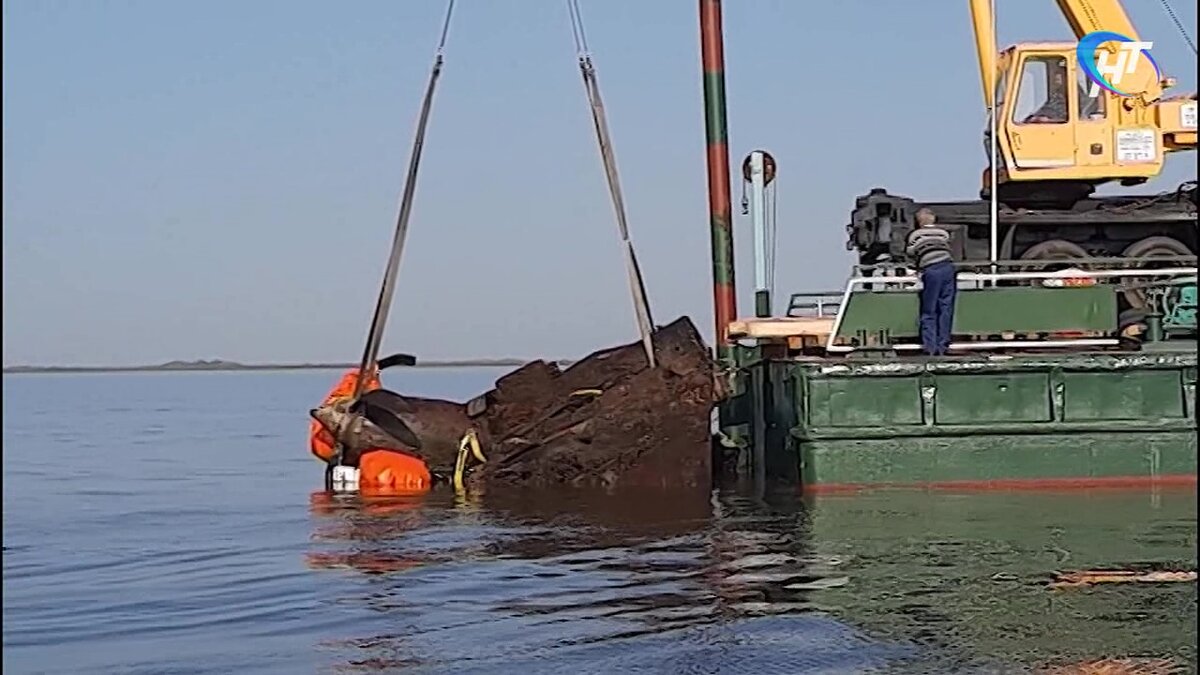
(188, 539)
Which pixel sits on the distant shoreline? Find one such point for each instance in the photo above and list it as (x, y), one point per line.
(231, 366)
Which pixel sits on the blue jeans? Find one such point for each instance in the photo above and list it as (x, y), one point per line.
(939, 288)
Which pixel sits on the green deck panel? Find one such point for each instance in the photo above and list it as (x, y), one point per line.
(998, 457)
(867, 401)
(986, 398)
(970, 418)
(990, 429)
(1182, 355)
(987, 311)
(1130, 395)
(1031, 394)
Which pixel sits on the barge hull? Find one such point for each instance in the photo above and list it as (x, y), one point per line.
(1083, 420)
(1059, 461)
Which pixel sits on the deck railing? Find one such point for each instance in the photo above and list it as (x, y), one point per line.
(891, 270)
(820, 304)
(1096, 273)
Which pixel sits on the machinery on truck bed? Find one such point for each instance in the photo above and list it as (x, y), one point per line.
(1058, 142)
(1104, 227)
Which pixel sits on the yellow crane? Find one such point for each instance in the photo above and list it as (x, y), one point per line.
(1060, 135)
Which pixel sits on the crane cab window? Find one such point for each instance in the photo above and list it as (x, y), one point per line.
(1042, 93)
(1091, 108)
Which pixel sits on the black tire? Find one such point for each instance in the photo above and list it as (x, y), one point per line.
(1151, 247)
(1058, 253)
(1156, 246)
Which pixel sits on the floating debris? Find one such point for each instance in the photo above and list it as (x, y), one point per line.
(1090, 577)
(818, 584)
(1122, 666)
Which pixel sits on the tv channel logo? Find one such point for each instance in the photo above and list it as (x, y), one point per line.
(1105, 69)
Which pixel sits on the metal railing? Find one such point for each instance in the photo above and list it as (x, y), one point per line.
(907, 282)
(821, 304)
(887, 271)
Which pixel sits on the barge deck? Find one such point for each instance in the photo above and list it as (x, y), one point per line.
(1047, 390)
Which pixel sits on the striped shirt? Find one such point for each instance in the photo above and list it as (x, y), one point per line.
(928, 245)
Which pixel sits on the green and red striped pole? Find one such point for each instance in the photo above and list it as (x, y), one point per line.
(720, 215)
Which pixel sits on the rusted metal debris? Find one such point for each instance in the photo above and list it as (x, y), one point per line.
(607, 420)
(1091, 577)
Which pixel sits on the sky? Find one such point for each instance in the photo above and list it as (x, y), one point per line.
(220, 180)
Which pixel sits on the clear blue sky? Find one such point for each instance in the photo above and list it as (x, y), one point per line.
(220, 179)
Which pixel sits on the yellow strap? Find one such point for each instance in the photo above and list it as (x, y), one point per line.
(587, 392)
(468, 445)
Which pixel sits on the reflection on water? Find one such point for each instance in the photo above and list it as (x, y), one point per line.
(165, 523)
(604, 582)
(691, 581)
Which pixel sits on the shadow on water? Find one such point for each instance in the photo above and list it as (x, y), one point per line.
(730, 581)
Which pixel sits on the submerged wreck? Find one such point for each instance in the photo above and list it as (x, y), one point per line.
(609, 419)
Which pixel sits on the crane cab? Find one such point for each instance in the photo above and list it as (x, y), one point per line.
(1060, 136)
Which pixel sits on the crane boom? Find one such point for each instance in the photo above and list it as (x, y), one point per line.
(1089, 16)
(985, 46)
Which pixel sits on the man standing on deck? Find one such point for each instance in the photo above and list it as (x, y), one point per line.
(928, 247)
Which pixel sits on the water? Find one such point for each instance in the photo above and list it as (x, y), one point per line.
(170, 523)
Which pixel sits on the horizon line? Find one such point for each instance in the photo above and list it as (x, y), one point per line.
(211, 365)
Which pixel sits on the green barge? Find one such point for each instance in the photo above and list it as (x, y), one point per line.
(1050, 384)
(1073, 355)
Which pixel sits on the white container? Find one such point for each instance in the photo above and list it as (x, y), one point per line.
(344, 479)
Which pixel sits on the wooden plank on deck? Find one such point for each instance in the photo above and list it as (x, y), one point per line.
(783, 327)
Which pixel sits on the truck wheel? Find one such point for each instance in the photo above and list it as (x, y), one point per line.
(1151, 247)
(1057, 252)
(1156, 247)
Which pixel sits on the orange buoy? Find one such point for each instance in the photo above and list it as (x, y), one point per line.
(393, 471)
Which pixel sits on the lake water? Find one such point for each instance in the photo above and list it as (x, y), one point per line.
(172, 523)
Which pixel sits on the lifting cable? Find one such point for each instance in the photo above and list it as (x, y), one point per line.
(388, 288)
(1178, 24)
(637, 286)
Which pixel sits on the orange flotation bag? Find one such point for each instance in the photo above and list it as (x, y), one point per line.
(393, 472)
